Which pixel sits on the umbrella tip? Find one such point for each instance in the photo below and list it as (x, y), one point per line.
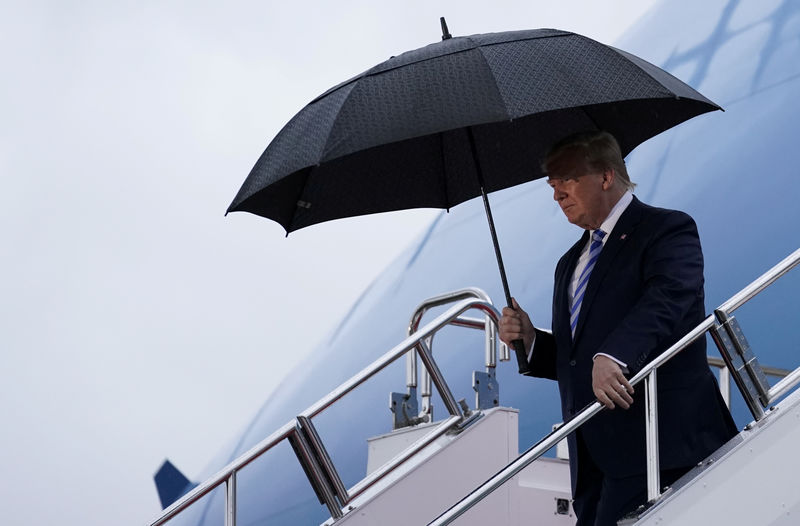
(445, 33)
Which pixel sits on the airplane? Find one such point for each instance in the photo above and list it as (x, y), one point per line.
(733, 171)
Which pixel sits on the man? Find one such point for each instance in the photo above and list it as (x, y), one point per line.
(627, 290)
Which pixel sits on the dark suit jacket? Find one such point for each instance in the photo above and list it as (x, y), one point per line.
(645, 293)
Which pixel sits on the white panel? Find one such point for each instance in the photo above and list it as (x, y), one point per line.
(444, 473)
(754, 483)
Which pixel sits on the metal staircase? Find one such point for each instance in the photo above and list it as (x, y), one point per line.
(741, 363)
(474, 451)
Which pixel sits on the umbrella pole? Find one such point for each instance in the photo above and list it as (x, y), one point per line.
(496, 245)
(519, 346)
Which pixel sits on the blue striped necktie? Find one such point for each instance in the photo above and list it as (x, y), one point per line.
(577, 299)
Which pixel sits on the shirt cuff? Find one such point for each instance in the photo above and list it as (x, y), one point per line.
(530, 351)
(622, 364)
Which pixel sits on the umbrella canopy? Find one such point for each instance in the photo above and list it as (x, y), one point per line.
(417, 130)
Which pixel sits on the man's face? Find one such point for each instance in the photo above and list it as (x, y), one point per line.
(579, 190)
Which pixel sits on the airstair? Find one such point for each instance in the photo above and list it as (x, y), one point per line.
(465, 469)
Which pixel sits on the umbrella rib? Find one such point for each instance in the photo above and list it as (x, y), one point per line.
(322, 158)
(496, 86)
(588, 116)
(634, 61)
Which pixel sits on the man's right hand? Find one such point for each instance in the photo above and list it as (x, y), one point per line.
(516, 325)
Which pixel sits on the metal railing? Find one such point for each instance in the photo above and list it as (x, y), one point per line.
(742, 367)
(308, 446)
(407, 401)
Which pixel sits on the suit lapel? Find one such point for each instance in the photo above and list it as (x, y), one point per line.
(617, 237)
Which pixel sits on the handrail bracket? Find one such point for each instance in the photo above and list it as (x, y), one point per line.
(487, 388)
(741, 362)
(405, 409)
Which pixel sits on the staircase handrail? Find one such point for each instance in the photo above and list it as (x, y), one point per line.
(298, 428)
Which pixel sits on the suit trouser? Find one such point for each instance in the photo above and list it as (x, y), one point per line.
(601, 500)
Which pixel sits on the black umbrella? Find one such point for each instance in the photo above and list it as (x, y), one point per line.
(442, 124)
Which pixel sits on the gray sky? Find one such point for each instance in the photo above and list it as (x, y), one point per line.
(136, 321)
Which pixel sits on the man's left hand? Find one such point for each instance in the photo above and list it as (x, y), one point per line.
(609, 384)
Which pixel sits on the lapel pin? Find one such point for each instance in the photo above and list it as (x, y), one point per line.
(623, 236)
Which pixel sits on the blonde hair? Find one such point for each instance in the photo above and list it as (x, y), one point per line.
(600, 150)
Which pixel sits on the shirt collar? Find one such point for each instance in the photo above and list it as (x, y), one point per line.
(616, 212)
